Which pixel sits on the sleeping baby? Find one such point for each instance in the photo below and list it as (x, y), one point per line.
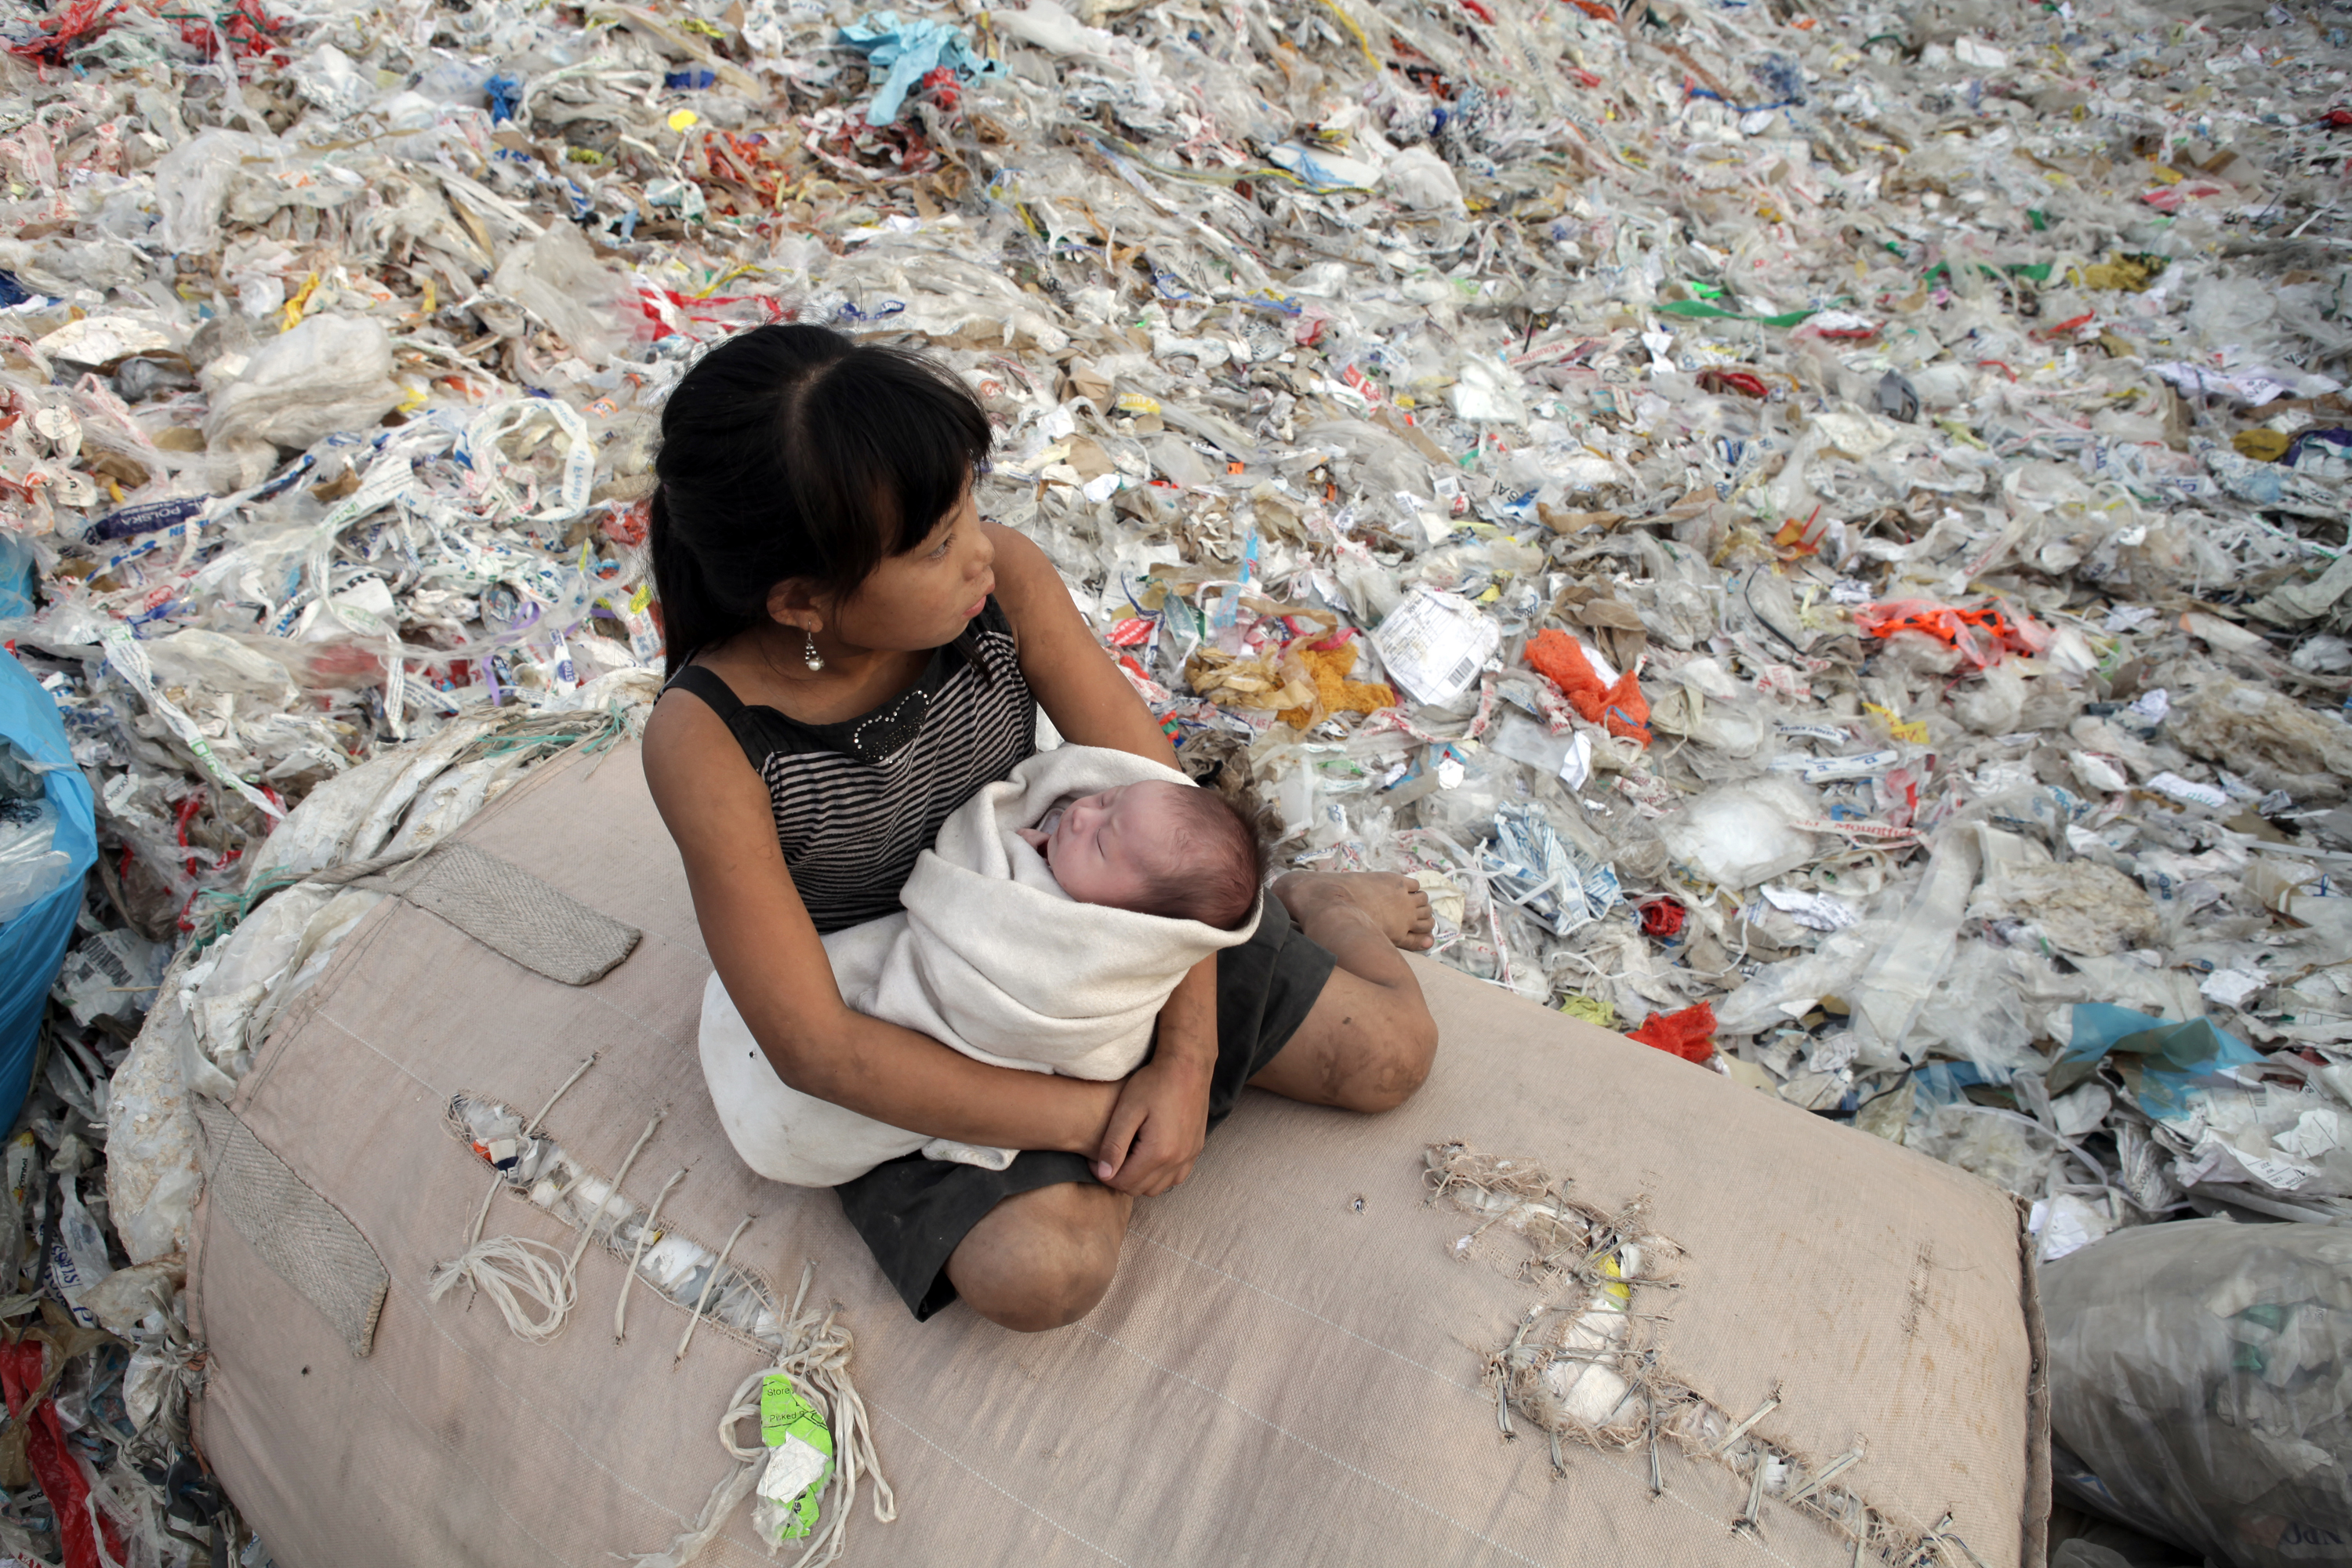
(1158, 849)
(1045, 930)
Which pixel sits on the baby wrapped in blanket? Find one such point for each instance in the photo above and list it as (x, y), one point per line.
(1044, 931)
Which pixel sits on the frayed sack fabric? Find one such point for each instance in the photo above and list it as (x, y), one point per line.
(990, 957)
(1292, 1367)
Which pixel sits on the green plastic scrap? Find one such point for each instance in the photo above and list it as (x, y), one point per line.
(1700, 308)
(2036, 271)
(785, 1419)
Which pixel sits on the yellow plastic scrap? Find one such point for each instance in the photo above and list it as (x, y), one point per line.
(1591, 1009)
(1619, 1295)
(1334, 693)
(301, 300)
(1910, 731)
(2263, 445)
(2132, 273)
(1240, 680)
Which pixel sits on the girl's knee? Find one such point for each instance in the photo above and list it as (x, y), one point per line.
(1043, 1261)
(1051, 1300)
(1397, 1065)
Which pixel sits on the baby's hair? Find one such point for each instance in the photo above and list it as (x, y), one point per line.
(790, 451)
(1218, 868)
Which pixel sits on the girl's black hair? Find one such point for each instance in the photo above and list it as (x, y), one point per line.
(790, 451)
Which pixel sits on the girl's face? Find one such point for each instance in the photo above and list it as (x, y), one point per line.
(924, 598)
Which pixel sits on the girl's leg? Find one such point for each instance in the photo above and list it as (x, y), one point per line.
(1042, 1258)
(1368, 1043)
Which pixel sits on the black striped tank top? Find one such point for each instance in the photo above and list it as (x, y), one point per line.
(854, 803)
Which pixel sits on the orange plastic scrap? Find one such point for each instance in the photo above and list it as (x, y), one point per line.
(1982, 636)
(1689, 1033)
(1326, 664)
(1622, 708)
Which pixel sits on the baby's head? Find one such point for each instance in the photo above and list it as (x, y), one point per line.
(1168, 849)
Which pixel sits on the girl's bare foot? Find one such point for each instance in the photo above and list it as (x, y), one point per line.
(1393, 903)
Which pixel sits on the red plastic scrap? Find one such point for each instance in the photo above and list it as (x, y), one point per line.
(246, 27)
(1689, 1033)
(1621, 708)
(628, 526)
(1663, 917)
(80, 24)
(2051, 334)
(1748, 383)
(943, 86)
(53, 1464)
(1982, 636)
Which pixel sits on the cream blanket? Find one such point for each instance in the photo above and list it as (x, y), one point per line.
(990, 957)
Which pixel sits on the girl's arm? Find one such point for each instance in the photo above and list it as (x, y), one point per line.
(1161, 1120)
(775, 969)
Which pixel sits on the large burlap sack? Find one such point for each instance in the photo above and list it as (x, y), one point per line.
(1289, 1368)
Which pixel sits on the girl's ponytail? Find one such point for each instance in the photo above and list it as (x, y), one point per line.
(690, 619)
(788, 451)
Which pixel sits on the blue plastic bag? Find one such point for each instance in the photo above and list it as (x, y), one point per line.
(905, 53)
(16, 576)
(2164, 1061)
(33, 945)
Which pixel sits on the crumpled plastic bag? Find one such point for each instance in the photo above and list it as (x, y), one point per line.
(1619, 707)
(558, 278)
(1743, 834)
(331, 372)
(1689, 1033)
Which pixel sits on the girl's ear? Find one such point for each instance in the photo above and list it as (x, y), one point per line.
(790, 603)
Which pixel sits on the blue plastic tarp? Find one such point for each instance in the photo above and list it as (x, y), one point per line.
(33, 945)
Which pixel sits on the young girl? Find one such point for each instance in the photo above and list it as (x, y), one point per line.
(853, 653)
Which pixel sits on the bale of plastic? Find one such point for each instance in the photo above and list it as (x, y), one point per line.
(1239, 1393)
(2202, 1373)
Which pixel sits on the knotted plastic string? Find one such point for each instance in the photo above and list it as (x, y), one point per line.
(816, 1358)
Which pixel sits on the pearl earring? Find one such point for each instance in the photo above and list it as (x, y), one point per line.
(809, 655)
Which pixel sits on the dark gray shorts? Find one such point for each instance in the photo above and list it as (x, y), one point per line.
(914, 1213)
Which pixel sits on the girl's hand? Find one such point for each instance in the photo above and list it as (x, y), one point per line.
(1161, 1118)
(1157, 1128)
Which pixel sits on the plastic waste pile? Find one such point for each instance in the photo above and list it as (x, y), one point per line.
(1819, 535)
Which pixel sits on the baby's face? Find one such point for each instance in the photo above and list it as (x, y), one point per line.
(1105, 848)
